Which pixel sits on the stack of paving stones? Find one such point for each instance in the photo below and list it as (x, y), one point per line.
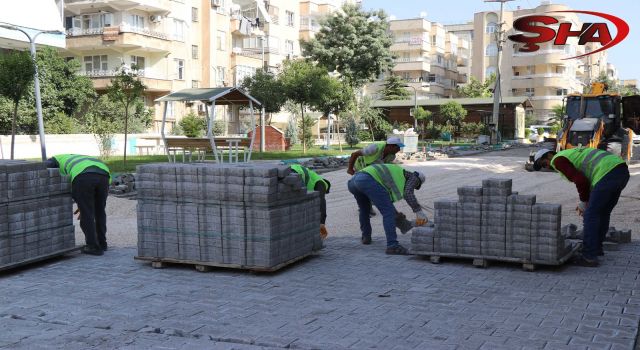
(36, 212)
(239, 215)
(494, 222)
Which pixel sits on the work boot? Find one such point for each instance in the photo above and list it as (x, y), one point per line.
(91, 250)
(365, 240)
(397, 250)
(104, 246)
(582, 261)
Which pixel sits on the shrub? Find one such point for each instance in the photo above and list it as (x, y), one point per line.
(192, 125)
(540, 131)
(527, 132)
(352, 131)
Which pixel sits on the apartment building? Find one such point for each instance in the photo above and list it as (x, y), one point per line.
(427, 57)
(464, 32)
(544, 76)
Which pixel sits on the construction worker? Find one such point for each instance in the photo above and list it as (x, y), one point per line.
(600, 177)
(90, 179)
(380, 152)
(315, 182)
(382, 185)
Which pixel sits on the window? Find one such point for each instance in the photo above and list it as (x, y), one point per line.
(290, 18)
(180, 68)
(220, 9)
(491, 50)
(529, 92)
(178, 30)
(194, 52)
(562, 92)
(531, 70)
(220, 76)
(288, 47)
(89, 21)
(222, 40)
(194, 14)
(195, 84)
(137, 61)
(243, 72)
(136, 21)
(95, 63)
(491, 28)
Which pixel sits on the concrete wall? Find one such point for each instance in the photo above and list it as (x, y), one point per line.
(28, 146)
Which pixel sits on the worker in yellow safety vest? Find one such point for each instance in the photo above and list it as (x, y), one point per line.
(382, 185)
(600, 177)
(315, 182)
(90, 179)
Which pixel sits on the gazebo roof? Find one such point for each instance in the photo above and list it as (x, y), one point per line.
(222, 96)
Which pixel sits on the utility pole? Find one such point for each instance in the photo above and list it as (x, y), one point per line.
(495, 119)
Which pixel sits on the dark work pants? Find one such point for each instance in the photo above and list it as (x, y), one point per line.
(323, 202)
(90, 191)
(603, 198)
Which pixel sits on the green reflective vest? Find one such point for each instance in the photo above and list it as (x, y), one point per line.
(309, 177)
(593, 163)
(364, 161)
(390, 176)
(74, 164)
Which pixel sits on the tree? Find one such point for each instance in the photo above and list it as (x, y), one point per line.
(353, 42)
(476, 88)
(422, 115)
(16, 75)
(558, 112)
(292, 131)
(453, 114)
(339, 97)
(307, 86)
(352, 130)
(266, 88)
(103, 121)
(192, 125)
(373, 118)
(126, 88)
(394, 89)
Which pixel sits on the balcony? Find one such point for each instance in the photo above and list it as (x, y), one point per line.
(152, 80)
(123, 36)
(151, 6)
(422, 64)
(539, 57)
(413, 44)
(553, 80)
(463, 62)
(462, 78)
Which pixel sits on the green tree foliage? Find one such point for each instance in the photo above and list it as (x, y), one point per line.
(307, 86)
(61, 123)
(422, 116)
(352, 131)
(613, 86)
(193, 125)
(291, 132)
(373, 118)
(472, 130)
(354, 42)
(558, 112)
(453, 114)
(394, 89)
(339, 97)
(126, 88)
(16, 75)
(266, 88)
(476, 88)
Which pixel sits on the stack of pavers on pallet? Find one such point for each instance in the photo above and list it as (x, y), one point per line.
(238, 215)
(493, 222)
(36, 212)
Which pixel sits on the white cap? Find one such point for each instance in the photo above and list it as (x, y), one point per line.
(540, 154)
(395, 141)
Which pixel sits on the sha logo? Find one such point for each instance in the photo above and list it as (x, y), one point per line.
(589, 33)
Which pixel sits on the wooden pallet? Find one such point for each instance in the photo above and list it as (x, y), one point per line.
(483, 260)
(206, 266)
(39, 258)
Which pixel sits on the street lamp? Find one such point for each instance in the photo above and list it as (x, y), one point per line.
(32, 47)
(415, 105)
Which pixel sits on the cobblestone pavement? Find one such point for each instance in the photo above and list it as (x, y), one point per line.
(348, 296)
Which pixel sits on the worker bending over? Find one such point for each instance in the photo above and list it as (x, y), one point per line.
(600, 178)
(90, 179)
(382, 185)
(315, 182)
(376, 153)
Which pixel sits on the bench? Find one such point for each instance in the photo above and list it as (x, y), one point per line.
(201, 145)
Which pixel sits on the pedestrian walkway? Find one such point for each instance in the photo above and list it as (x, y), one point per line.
(349, 296)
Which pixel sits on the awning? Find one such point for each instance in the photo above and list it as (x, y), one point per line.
(222, 96)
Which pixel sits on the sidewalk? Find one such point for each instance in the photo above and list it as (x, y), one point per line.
(349, 296)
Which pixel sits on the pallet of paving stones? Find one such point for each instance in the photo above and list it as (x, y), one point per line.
(36, 214)
(492, 222)
(249, 216)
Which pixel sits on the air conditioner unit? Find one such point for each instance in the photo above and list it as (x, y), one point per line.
(155, 18)
(216, 3)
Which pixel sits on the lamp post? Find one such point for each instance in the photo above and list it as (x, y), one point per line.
(32, 48)
(415, 105)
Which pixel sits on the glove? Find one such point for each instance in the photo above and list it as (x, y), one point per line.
(582, 206)
(77, 212)
(323, 231)
(421, 218)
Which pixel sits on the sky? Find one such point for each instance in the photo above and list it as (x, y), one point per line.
(623, 56)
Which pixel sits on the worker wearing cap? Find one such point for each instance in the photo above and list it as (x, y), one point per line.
(600, 177)
(315, 182)
(382, 185)
(376, 153)
(90, 179)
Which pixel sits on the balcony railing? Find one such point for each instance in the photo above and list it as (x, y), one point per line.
(124, 28)
(82, 32)
(142, 73)
(412, 59)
